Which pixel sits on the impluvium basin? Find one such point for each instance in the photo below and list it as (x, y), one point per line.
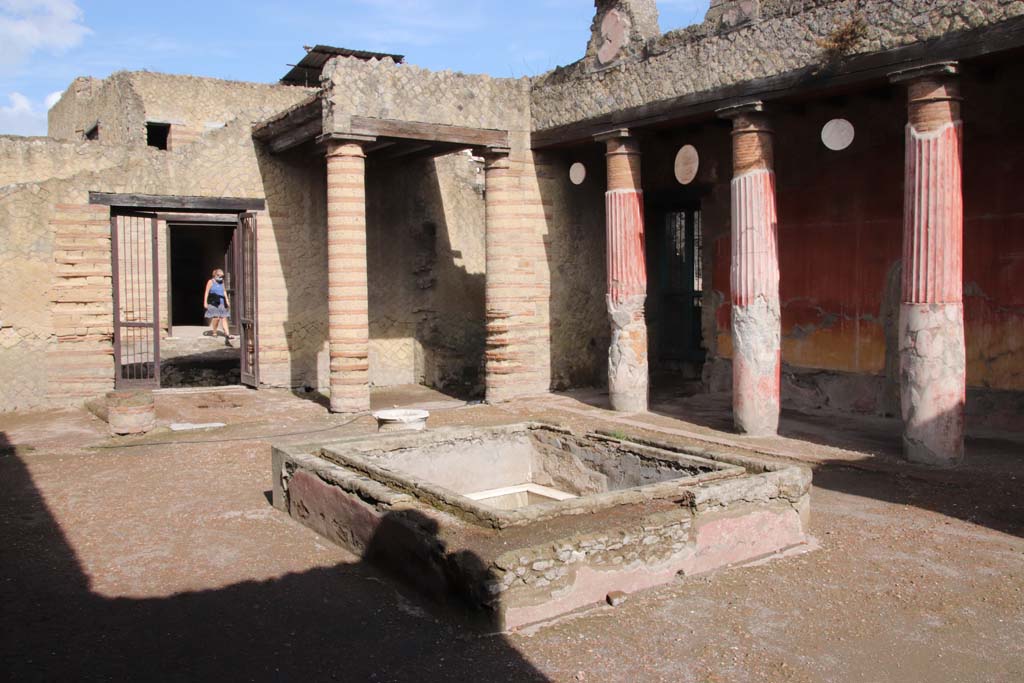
(521, 523)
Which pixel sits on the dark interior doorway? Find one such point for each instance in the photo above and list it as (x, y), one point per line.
(189, 357)
(675, 282)
(195, 251)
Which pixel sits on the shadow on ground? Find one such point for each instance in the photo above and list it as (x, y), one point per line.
(985, 490)
(338, 623)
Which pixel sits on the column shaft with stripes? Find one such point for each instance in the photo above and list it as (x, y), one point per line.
(931, 331)
(754, 278)
(627, 277)
(347, 298)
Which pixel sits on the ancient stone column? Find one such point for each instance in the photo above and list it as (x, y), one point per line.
(754, 275)
(627, 274)
(347, 293)
(931, 329)
(502, 361)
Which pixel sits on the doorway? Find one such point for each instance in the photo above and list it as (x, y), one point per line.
(190, 355)
(675, 291)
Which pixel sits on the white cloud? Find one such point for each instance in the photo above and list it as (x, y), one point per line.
(30, 25)
(52, 99)
(21, 117)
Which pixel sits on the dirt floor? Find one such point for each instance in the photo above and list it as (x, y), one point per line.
(160, 558)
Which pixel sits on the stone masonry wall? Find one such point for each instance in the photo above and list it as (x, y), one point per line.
(111, 102)
(55, 298)
(426, 272)
(383, 89)
(125, 101)
(580, 331)
(782, 36)
(518, 311)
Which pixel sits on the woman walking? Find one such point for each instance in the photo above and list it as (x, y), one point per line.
(215, 301)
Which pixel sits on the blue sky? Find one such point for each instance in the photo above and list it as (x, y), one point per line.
(45, 44)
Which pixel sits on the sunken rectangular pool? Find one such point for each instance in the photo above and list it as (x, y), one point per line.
(520, 523)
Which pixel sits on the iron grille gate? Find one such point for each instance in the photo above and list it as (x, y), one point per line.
(134, 262)
(245, 260)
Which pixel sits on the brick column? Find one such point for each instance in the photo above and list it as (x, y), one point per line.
(627, 274)
(931, 330)
(754, 275)
(502, 360)
(347, 299)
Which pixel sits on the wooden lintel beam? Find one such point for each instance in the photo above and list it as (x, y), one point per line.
(296, 136)
(428, 132)
(403, 150)
(228, 218)
(818, 79)
(159, 202)
(294, 118)
(417, 152)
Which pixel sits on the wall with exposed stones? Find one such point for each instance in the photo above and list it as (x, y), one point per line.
(425, 250)
(111, 103)
(125, 101)
(580, 331)
(55, 316)
(383, 89)
(731, 47)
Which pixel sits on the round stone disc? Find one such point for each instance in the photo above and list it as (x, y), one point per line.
(837, 134)
(686, 165)
(577, 173)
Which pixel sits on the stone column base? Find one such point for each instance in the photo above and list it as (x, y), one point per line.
(933, 383)
(627, 355)
(757, 363)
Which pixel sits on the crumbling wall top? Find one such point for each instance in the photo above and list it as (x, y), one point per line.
(382, 89)
(745, 40)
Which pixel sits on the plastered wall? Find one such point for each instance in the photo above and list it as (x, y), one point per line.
(425, 250)
(840, 235)
(55, 298)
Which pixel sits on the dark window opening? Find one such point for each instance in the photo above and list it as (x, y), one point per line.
(158, 134)
(93, 133)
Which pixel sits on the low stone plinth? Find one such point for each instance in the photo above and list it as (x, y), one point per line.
(609, 515)
(130, 412)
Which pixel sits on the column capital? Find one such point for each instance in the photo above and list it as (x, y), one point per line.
(492, 151)
(345, 145)
(743, 109)
(935, 70)
(613, 134)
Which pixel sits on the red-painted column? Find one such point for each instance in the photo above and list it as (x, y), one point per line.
(627, 274)
(754, 275)
(347, 291)
(931, 333)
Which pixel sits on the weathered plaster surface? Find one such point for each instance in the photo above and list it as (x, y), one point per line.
(784, 37)
(627, 354)
(526, 573)
(932, 382)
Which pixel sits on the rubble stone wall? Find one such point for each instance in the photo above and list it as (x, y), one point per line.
(55, 299)
(385, 90)
(778, 36)
(426, 272)
(124, 102)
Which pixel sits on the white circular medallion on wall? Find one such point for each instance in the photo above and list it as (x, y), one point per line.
(577, 173)
(837, 134)
(686, 164)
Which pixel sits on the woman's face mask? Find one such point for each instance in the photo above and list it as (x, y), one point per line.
(219, 278)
